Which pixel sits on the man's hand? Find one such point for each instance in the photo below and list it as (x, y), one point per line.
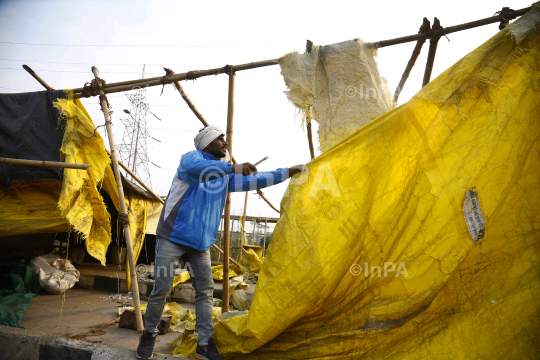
(244, 169)
(295, 169)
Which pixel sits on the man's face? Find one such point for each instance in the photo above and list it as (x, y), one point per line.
(217, 148)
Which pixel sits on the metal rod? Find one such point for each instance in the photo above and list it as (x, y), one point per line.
(137, 179)
(37, 77)
(310, 140)
(433, 41)
(127, 232)
(423, 30)
(54, 164)
(230, 118)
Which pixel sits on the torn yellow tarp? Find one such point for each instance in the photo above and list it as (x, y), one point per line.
(80, 200)
(398, 204)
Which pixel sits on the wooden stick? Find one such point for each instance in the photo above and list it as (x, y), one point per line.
(37, 77)
(221, 239)
(230, 118)
(137, 179)
(423, 30)
(310, 140)
(156, 81)
(127, 232)
(433, 41)
(221, 251)
(452, 29)
(53, 164)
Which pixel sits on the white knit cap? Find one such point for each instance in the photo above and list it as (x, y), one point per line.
(206, 136)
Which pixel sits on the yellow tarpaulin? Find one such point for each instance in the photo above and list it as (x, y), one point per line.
(75, 202)
(397, 204)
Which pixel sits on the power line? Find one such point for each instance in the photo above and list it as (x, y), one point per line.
(117, 64)
(145, 45)
(114, 72)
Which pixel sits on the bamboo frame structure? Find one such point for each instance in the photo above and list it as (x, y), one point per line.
(127, 232)
(191, 75)
(264, 238)
(433, 41)
(310, 141)
(424, 29)
(53, 164)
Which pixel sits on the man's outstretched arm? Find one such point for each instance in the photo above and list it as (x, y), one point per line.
(239, 182)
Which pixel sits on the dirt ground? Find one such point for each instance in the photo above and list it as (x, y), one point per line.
(84, 307)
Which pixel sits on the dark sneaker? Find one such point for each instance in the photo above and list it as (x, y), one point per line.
(146, 346)
(208, 352)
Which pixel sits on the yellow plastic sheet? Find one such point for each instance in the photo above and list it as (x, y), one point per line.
(400, 186)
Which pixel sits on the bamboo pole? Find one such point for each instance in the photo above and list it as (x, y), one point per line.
(37, 77)
(253, 235)
(261, 194)
(127, 232)
(452, 29)
(433, 41)
(161, 80)
(137, 179)
(243, 228)
(230, 118)
(53, 164)
(264, 238)
(222, 253)
(221, 238)
(423, 30)
(310, 140)
(188, 101)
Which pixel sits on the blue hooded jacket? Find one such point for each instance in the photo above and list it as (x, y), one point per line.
(192, 212)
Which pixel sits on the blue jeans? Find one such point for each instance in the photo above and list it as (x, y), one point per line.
(168, 254)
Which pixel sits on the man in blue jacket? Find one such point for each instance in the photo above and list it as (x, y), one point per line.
(188, 226)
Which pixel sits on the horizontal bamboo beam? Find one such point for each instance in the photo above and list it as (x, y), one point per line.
(137, 179)
(452, 29)
(37, 77)
(162, 80)
(54, 164)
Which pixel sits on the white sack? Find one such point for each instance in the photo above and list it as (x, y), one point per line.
(55, 274)
(341, 84)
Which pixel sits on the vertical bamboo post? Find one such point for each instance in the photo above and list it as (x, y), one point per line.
(264, 238)
(123, 209)
(220, 234)
(243, 229)
(253, 235)
(230, 112)
(423, 30)
(432, 51)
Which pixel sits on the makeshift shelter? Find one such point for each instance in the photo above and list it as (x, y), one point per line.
(385, 264)
(50, 126)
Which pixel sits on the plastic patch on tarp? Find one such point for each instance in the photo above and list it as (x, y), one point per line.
(402, 180)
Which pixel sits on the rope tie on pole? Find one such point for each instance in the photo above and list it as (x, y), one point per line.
(165, 79)
(123, 219)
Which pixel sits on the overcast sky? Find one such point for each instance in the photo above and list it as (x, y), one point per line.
(63, 39)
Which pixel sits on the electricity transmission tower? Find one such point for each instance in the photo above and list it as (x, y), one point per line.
(132, 150)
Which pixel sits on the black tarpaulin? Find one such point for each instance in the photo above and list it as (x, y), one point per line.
(30, 130)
